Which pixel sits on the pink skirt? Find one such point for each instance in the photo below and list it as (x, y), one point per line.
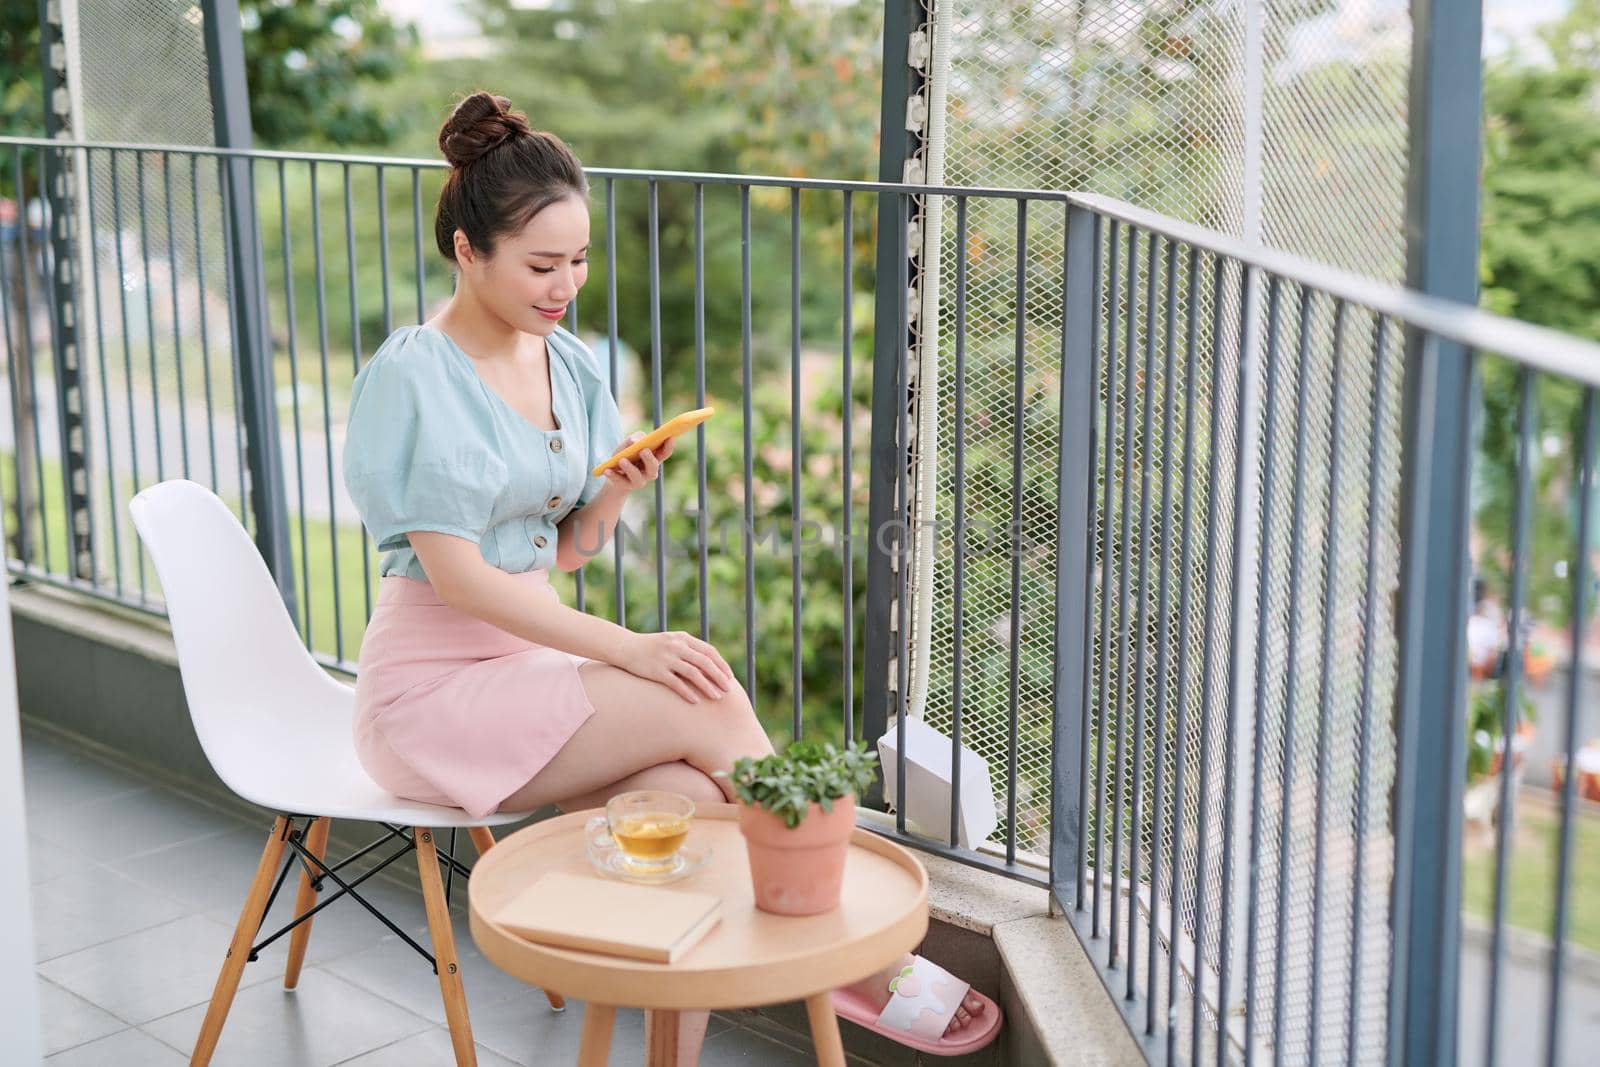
(454, 710)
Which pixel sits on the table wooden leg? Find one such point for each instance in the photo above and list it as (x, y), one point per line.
(825, 1030)
(594, 1047)
(661, 1038)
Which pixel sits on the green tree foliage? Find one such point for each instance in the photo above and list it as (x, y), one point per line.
(1541, 223)
(309, 66)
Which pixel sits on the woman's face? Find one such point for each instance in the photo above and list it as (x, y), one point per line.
(533, 275)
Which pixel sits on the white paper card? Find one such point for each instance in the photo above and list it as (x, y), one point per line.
(928, 784)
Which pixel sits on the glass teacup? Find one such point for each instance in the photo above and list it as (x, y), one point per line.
(648, 827)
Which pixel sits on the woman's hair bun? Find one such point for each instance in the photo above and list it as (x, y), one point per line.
(479, 124)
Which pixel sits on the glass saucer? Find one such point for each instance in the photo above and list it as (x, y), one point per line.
(690, 859)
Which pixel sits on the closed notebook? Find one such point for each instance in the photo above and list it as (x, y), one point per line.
(614, 918)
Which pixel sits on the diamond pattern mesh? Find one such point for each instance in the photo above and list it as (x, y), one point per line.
(1281, 124)
(156, 306)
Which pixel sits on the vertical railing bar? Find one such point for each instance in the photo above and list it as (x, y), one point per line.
(748, 382)
(1181, 686)
(611, 354)
(48, 292)
(580, 598)
(177, 313)
(902, 460)
(1019, 417)
(1569, 782)
(416, 241)
(127, 351)
(1207, 643)
(1296, 556)
(959, 551)
(1505, 824)
(205, 340)
(1330, 592)
(847, 330)
(355, 368)
(380, 173)
(48, 296)
(1263, 625)
(1364, 729)
(150, 321)
(100, 358)
(23, 531)
(327, 417)
(1245, 401)
(1100, 534)
(25, 260)
(1130, 390)
(701, 533)
(1112, 284)
(1072, 596)
(292, 334)
(796, 591)
(1142, 615)
(236, 358)
(1163, 652)
(653, 210)
(1439, 397)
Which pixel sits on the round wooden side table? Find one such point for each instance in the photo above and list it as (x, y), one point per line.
(748, 960)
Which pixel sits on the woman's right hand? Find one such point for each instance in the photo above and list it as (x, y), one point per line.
(682, 662)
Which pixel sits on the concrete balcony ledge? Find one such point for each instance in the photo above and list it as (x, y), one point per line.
(106, 679)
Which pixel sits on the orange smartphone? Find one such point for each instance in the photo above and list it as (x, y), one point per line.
(660, 435)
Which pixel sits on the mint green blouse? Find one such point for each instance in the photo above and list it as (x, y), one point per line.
(429, 446)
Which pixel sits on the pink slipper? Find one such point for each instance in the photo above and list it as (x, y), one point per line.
(925, 998)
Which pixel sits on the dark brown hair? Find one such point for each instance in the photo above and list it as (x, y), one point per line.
(502, 173)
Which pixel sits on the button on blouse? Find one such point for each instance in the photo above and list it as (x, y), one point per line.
(430, 446)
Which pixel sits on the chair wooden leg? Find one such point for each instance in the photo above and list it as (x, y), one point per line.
(594, 1047)
(483, 839)
(444, 949)
(304, 901)
(255, 904)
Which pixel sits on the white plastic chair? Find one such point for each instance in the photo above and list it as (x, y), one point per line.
(277, 730)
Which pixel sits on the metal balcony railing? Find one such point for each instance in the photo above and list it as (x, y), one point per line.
(1234, 506)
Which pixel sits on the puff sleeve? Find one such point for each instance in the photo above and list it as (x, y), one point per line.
(604, 421)
(415, 455)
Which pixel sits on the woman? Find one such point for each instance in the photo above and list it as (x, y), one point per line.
(468, 452)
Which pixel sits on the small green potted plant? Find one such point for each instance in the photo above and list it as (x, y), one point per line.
(797, 810)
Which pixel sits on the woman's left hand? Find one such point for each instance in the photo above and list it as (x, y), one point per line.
(642, 468)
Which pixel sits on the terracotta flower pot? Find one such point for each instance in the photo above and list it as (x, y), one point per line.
(798, 871)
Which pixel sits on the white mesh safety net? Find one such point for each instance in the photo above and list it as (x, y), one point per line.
(1280, 123)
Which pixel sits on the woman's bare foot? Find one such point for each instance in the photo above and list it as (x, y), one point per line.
(876, 990)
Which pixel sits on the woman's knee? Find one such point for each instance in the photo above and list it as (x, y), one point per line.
(736, 718)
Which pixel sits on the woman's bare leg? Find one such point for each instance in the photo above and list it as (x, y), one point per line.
(644, 736)
(638, 724)
(670, 777)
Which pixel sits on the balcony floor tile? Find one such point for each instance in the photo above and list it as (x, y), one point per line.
(69, 1020)
(151, 973)
(325, 1021)
(128, 1048)
(81, 910)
